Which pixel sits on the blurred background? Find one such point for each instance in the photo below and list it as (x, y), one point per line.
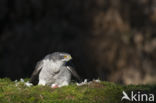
(113, 40)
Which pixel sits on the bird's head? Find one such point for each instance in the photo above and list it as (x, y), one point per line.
(65, 57)
(60, 56)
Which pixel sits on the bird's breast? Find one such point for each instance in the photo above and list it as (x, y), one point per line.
(51, 67)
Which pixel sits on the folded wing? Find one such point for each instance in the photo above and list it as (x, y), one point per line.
(35, 75)
(74, 73)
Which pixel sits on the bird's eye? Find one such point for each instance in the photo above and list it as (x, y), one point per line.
(65, 56)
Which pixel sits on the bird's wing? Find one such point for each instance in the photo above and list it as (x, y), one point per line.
(35, 75)
(73, 72)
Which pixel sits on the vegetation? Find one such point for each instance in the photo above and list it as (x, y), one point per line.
(95, 92)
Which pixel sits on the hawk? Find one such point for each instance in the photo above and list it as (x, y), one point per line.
(53, 70)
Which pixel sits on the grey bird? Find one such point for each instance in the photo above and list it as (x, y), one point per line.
(53, 70)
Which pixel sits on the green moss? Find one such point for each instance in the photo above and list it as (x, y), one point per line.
(103, 92)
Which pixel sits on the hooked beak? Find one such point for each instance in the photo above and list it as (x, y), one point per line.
(68, 57)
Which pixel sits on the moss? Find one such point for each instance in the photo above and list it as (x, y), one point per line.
(103, 92)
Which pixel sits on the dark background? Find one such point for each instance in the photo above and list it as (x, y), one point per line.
(114, 40)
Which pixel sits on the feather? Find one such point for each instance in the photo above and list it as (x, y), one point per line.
(74, 73)
(35, 75)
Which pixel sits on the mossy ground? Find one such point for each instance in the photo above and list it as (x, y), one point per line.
(103, 92)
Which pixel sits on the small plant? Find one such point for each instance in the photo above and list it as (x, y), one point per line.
(94, 92)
